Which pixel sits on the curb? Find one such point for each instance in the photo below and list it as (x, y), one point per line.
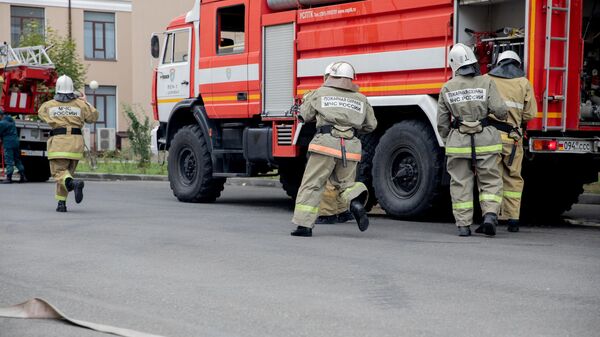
(589, 198)
(586, 198)
(260, 182)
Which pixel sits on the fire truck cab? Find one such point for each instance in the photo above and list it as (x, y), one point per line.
(231, 72)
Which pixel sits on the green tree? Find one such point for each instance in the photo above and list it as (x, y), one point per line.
(139, 134)
(61, 50)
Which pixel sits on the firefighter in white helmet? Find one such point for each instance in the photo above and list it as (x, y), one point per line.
(332, 209)
(517, 93)
(334, 152)
(66, 114)
(473, 147)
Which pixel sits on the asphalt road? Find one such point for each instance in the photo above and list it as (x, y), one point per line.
(134, 257)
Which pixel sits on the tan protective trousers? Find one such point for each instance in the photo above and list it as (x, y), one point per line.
(462, 180)
(511, 177)
(62, 169)
(331, 201)
(318, 170)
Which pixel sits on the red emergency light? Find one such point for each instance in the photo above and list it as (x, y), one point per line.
(545, 144)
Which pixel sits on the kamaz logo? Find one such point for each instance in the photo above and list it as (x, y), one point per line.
(172, 75)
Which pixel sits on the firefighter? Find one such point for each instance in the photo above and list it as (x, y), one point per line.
(10, 144)
(332, 208)
(66, 114)
(473, 146)
(334, 152)
(518, 96)
(1, 88)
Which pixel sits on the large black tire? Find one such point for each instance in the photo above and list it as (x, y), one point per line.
(410, 151)
(290, 175)
(37, 169)
(190, 167)
(369, 145)
(551, 189)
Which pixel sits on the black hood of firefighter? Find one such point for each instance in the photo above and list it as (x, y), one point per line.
(507, 69)
(469, 70)
(64, 98)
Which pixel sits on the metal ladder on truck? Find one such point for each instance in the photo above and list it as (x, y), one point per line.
(551, 9)
(34, 56)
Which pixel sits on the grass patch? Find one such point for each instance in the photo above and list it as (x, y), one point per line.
(122, 168)
(593, 188)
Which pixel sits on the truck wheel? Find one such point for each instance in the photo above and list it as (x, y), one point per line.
(407, 169)
(37, 169)
(369, 144)
(190, 167)
(290, 176)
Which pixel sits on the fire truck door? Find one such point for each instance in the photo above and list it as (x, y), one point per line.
(225, 71)
(173, 80)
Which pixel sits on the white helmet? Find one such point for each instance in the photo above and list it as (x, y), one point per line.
(328, 69)
(64, 85)
(461, 55)
(342, 69)
(509, 54)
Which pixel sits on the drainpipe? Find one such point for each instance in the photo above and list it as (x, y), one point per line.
(70, 26)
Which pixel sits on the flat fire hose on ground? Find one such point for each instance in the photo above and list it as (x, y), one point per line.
(39, 308)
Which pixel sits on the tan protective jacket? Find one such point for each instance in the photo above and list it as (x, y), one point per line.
(470, 99)
(518, 96)
(344, 110)
(69, 115)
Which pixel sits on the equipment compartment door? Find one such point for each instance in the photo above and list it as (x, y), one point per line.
(173, 80)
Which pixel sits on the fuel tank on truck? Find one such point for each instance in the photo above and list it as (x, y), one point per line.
(278, 5)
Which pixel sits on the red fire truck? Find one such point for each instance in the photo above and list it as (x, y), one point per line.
(230, 71)
(29, 76)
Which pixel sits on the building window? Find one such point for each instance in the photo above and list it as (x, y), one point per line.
(99, 36)
(231, 30)
(105, 100)
(24, 21)
(176, 47)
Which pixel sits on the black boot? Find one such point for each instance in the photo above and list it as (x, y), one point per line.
(464, 231)
(302, 231)
(512, 225)
(22, 177)
(76, 186)
(490, 220)
(344, 217)
(8, 179)
(360, 214)
(62, 206)
(326, 220)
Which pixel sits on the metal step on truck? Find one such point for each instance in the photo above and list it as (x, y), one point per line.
(29, 77)
(229, 72)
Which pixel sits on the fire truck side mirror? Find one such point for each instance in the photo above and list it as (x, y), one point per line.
(154, 46)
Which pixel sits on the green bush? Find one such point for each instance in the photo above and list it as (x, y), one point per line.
(139, 134)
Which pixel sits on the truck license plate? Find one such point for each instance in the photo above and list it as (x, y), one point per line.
(575, 146)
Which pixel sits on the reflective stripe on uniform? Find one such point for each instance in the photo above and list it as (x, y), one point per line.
(462, 205)
(60, 197)
(490, 197)
(515, 105)
(307, 208)
(67, 155)
(511, 194)
(333, 152)
(478, 149)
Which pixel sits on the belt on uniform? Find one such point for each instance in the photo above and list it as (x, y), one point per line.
(505, 127)
(64, 131)
(455, 124)
(329, 128)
